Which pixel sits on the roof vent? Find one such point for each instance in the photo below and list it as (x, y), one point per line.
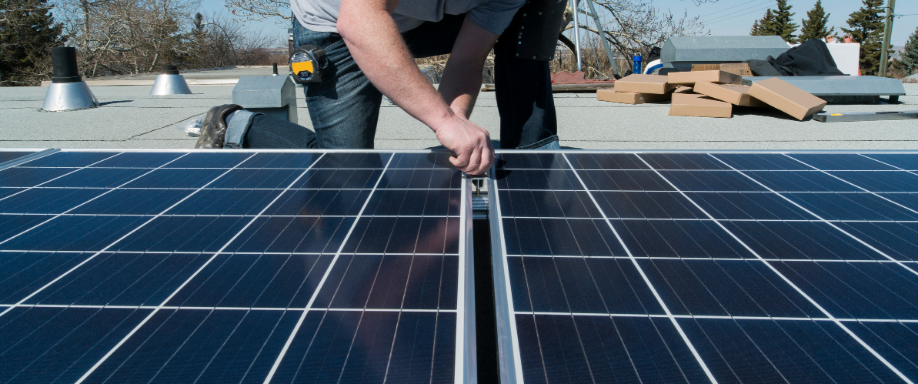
(170, 82)
(67, 91)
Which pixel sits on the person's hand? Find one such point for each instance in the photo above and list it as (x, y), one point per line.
(470, 144)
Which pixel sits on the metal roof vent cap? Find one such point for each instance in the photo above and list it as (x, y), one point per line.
(67, 91)
(170, 83)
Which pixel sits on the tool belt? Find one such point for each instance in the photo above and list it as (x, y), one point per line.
(535, 29)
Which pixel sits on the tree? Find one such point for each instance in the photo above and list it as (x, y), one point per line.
(27, 34)
(765, 26)
(909, 60)
(814, 27)
(867, 29)
(776, 22)
(784, 26)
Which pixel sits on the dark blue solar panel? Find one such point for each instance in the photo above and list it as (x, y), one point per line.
(852, 206)
(850, 162)
(51, 345)
(416, 347)
(21, 273)
(761, 162)
(536, 179)
(778, 351)
(678, 238)
(400, 202)
(203, 266)
(335, 160)
(894, 181)
(901, 161)
(752, 279)
(183, 234)
(8, 156)
(72, 233)
(225, 346)
(47, 200)
(421, 160)
(724, 288)
(576, 348)
(293, 234)
(255, 280)
(682, 161)
(70, 159)
(858, 290)
(210, 160)
(618, 180)
(176, 178)
(748, 206)
(340, 178)
(281, 160)
(132, 201)
(25, 177)
(218, 201)
(122, 279)
(605, 161)
(646, 205)
(896, 341)
(139, 160)
(548, 204)
(896, 240)
(799, 241)
(714, 181)
(393, 277)
(811, 181)
(575, 284)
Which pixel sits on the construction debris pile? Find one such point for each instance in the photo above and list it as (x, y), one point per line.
(712, 93)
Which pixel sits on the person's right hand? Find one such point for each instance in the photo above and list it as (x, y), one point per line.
(470, 144)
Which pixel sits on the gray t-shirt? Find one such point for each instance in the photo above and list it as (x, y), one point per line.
(492, 15)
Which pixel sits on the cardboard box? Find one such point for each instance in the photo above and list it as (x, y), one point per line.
(654, 84)
(683, 89)
(628, 97)
(739, 69)
(787, 98)
(699, 105)
(689, 78)
(733, 94)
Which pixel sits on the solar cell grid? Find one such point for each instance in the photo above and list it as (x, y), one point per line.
(759, 265)
(222, 259)
(355, 266)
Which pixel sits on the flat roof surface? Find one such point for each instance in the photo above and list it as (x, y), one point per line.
(130, 118)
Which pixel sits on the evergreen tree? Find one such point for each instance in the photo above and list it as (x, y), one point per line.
(765, 26)
(867, 29)
(814, 27)
(784, 25)
(756, 29)
(27, 34)
(909, 55)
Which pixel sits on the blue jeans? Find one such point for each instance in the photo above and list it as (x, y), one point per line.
(344, 108)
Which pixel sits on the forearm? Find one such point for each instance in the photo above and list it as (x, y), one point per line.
(376, 45)
(461, 80)
(460, 85)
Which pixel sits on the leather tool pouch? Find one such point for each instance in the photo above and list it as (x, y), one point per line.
(535, 29)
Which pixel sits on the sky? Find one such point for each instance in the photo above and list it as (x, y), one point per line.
(721, 18)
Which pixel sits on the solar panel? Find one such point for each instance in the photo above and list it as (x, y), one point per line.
(235, 266)
(705, 267)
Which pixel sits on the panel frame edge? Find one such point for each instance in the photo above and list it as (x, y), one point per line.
(466, 364)
(511, 371)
